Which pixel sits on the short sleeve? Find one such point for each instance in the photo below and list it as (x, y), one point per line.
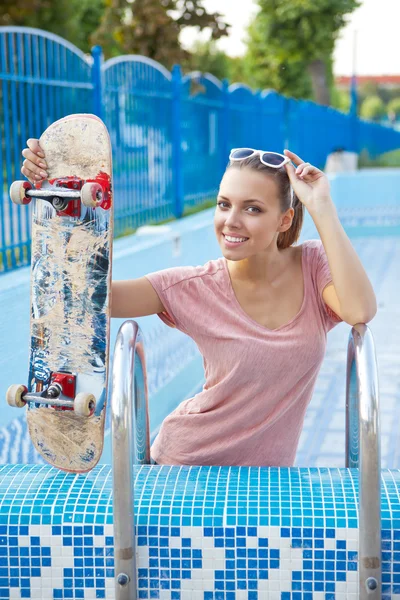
(323, 277)
(165, 284)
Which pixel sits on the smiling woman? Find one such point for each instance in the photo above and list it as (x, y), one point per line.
(259, 314)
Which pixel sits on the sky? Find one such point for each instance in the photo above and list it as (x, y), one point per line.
(376, 23)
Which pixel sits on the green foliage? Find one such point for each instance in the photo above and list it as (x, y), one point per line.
(341, 100)
(147, 27)
(290, 41)
(388, 159)
(73, 20)
(207, 58)
(372, 108)
(152, 27)
(371, 88)
(393, 107)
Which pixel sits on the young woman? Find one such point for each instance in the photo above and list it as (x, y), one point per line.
(259, 314)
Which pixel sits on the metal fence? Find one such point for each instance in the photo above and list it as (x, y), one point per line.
(171, 134)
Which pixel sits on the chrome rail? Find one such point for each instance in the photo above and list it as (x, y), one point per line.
(363, 452)
(131, 445)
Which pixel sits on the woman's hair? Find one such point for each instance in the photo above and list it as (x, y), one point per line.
(289, 237)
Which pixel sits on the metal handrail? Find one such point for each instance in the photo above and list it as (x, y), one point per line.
(131, 445)
(363, 452)
(129, 393)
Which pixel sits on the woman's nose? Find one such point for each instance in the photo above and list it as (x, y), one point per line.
(232, 218)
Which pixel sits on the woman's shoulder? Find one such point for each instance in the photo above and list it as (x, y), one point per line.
(311, 245)
(310, 249)
(178, 275)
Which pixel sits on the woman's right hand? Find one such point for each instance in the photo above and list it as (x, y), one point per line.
(34, 166)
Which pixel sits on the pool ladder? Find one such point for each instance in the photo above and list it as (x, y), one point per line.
(131, 445)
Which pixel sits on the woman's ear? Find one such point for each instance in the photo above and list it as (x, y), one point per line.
(286, 220)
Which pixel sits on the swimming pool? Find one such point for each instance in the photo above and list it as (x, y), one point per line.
(215, 533)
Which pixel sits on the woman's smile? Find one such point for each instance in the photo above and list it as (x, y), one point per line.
(232, 241)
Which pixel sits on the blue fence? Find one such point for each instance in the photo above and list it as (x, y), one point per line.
(171, 134)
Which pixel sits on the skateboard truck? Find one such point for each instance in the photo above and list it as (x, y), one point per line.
(60, 395)
(65, 199)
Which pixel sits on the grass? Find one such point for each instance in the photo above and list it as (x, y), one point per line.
(388, 160)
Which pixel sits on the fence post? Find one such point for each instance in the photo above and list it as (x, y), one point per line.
(258, 123)
(177, 167)
(286, 123)
(225, 117)
(97, 55)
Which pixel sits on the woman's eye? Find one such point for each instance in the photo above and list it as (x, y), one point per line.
(220, 204)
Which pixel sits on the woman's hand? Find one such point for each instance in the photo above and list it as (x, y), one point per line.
(310, 184)
(34, 166)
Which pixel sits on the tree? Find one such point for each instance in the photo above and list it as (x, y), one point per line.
(79, 17)
(152, 27)
(207, 58)
(393, 109)
(340, 99)
(291, 44)
(373, 108)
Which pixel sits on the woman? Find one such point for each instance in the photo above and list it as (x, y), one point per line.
(259, 314)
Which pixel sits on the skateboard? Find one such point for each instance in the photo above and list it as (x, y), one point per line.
(72, 226)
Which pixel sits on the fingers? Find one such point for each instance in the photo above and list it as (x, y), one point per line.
(302, 168)
(34, 166)
(296, 159)
(33, 144)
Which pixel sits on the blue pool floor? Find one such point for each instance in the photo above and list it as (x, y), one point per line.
(323, 439)
(322, 443)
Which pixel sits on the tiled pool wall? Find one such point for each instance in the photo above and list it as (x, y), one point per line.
(202, 533)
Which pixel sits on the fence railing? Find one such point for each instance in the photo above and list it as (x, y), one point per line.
(171, 133)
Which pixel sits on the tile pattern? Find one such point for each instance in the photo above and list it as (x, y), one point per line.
(209, 533)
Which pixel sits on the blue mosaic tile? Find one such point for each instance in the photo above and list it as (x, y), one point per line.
(201, 532)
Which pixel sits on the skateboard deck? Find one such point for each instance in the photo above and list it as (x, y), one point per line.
(72, 226)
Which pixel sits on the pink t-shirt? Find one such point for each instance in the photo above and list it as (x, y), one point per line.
(258, 381)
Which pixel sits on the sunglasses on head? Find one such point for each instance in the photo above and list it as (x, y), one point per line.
(270, 159)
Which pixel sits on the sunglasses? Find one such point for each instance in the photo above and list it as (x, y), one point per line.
(270, 159)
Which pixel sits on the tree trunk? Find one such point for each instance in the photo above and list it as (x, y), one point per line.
(317, 71)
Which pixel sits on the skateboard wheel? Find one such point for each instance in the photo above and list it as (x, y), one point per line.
(91, 194)
(18, 191)
(84, 404)
(14, 395)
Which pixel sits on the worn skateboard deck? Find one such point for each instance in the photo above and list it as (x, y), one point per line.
(70, 292)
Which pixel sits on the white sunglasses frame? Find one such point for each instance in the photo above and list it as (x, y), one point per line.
(260, 153)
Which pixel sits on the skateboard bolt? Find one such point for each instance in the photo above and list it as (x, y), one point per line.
(123, 579)
(372, 584)
(54, 391)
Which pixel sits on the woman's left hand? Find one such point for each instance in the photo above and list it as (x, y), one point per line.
(310, 184)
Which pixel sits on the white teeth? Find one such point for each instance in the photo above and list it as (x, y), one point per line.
(233, 239)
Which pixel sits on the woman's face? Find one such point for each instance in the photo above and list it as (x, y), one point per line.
(248, 215)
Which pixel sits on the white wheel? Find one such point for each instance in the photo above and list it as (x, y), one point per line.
(91, 194)
(18, 191)
(84, 404)
(14, 395)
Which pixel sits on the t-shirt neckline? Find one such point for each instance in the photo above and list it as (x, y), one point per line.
(252, 321)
